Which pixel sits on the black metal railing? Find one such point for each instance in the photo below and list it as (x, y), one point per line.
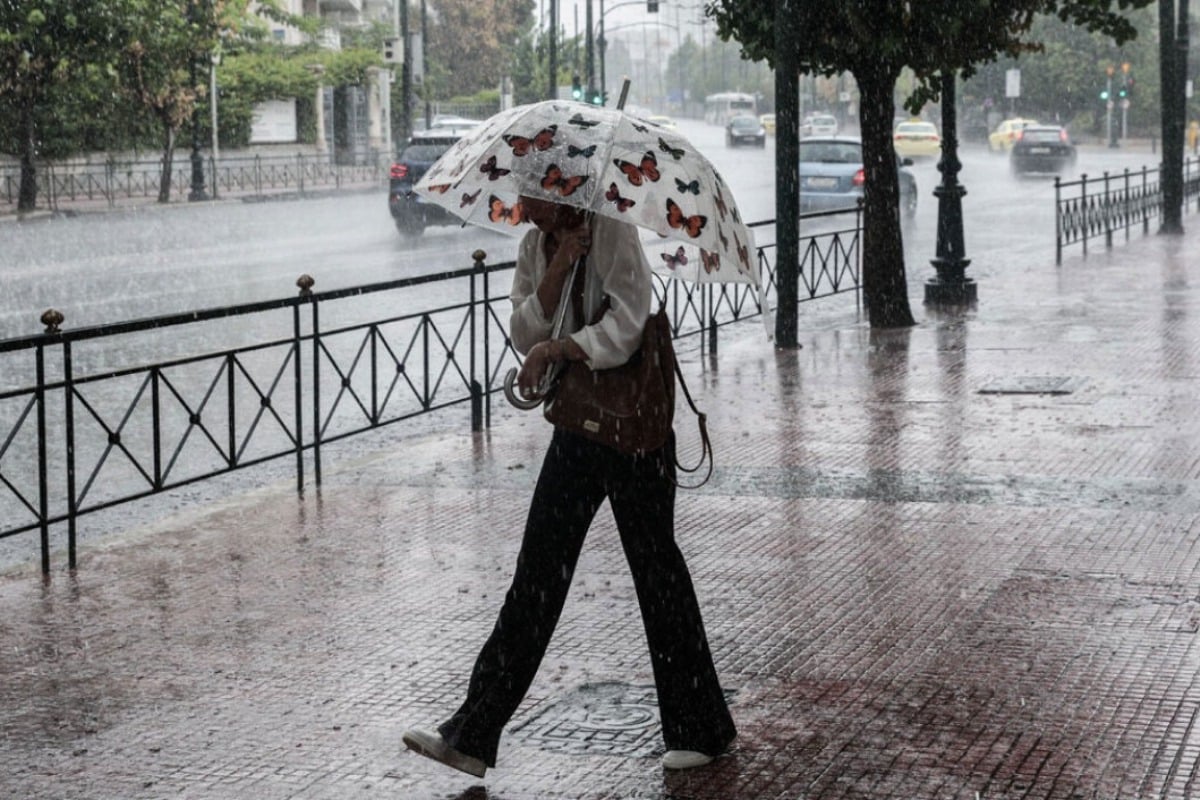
(79, 434)
(1114, 203)
(114, 180)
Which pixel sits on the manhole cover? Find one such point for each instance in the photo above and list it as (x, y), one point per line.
(1032, 384)
(598, 719)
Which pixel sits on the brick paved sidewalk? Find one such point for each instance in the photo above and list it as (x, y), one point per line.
(956, 561)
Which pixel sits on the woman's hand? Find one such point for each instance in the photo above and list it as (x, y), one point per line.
(541, 358)
(537, 361)
(573, 244)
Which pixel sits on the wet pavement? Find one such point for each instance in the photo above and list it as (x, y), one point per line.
(956, 561)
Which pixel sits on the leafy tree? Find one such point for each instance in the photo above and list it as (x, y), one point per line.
(1063, 82)
(43, 46)
(472, 43)
(874, 40)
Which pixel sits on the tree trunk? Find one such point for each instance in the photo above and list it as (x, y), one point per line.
(885, 288)
(27, 193)
(164, 181)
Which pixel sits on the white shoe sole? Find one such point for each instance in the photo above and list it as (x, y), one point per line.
(685, 759)
(433, 746)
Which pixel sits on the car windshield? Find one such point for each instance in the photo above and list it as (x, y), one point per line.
(831, 152)
(915, 127)
(743, 122)
(1041, 135)
(824, 121)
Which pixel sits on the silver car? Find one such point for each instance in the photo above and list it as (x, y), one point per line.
(832, 175)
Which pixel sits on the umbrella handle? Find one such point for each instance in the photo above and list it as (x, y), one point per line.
(511, 395)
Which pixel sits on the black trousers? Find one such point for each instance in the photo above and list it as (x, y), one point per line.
(576, 476)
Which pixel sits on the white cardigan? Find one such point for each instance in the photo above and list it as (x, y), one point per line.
(616, 268)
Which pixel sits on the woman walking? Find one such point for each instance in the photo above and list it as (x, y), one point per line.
(577, 475)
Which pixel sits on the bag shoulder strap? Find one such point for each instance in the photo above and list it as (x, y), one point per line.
(706, 451)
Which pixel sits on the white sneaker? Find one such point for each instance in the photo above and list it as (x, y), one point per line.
(432, 745)
(685, 759)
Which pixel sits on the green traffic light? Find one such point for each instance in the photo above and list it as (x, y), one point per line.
(1103, 94)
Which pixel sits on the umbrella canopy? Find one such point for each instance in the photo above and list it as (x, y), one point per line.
(607, 162)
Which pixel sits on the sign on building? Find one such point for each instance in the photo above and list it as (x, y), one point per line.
(274, 121)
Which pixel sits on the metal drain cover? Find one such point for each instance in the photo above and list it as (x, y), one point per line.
(1032, 384)
(598, 719)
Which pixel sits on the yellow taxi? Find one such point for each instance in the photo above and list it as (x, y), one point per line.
(1002, 139)
(768, 122)
(917, 139)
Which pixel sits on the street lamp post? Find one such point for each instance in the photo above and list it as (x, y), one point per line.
(951, 285)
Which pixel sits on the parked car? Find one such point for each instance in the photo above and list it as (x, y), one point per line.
(745, 129)
(819, 125)
(661, 120)
(409, 210)
(917, 139)
(1042, 148)
(832, 175)
(1001, 140)
(768, 123)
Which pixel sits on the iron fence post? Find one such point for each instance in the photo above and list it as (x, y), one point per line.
(43, 481)
(69, 414)
(487, 340)
(1145, 202)
(1084, 211)
(306, 283)
(476, 388)
(712, 322)
(156, 428)
(1125, 205)
(231, 407)
(1107, 205)
(1058, 220)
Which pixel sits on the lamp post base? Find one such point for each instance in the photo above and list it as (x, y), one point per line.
(960, 292)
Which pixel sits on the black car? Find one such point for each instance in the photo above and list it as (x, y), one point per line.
(745, 129)
(411, 213)
(1041, 148)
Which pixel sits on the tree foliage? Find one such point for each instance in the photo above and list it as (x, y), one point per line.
(43, 46)
(472, 43)
(874, 40)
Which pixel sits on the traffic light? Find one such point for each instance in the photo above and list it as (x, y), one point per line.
(576, 87)
(1122, 92)
(597, 98)
(1104, 94)
(652, 6)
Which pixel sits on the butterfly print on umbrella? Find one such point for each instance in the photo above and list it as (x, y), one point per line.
(693, 225)
(579, 121)
(743, 254)
(501, 213)
(468, 199)
(554, 180)
(542, 140)
(440, 188)
(614, 196)
(685, 187)
(710, 261)
(676, 152)
(585, 152)
(647, 169)
(720, 200)
(494, 173)
(678, 259)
